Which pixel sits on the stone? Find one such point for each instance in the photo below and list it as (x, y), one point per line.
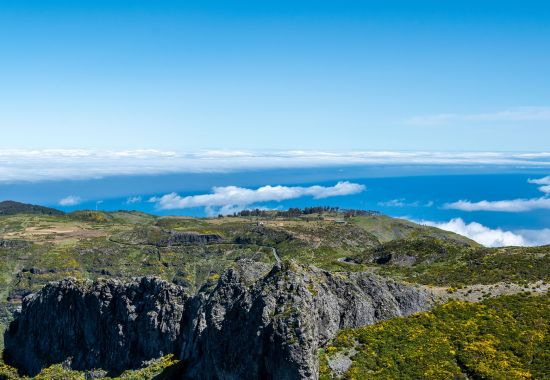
(269, 328)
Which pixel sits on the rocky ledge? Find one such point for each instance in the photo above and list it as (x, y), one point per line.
(270, 327)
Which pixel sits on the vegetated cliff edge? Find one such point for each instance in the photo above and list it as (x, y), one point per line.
(244, 328)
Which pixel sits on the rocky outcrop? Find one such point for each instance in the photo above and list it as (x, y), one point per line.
(271, 328)
(183, 238)
(105, 324)
(159, 237)
(274, 328)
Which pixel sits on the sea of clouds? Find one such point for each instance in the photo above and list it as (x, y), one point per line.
(24, 165)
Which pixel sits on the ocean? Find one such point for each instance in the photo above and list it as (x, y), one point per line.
(424, 194)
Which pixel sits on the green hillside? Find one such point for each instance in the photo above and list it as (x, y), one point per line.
(13, 208)
(38, 247)
(502, 338)
(433, 261)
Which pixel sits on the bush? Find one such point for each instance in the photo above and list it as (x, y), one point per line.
(502, 338)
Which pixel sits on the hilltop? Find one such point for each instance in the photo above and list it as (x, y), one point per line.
(13, 208)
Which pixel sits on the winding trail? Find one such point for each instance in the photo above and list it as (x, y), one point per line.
(273, 250)
(275, 254)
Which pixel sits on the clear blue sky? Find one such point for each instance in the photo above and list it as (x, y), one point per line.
(189, 75)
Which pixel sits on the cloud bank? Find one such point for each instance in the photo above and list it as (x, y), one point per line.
(229, 199)
(511, 205)
(493, 237)
(20, 165)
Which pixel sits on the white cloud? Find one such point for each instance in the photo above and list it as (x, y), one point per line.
(71, 200)
(132, 200)
(510, 205)
(58, 164)
(545, 182)
(231, 209)
(492, 237)
(540, 181)
(401, 202)
(233, 197)
(517, 114)
(536, 237)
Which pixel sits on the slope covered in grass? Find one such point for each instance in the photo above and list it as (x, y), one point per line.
(13, 208)
(432, 261)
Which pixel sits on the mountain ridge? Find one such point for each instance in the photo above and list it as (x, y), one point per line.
(8, 207)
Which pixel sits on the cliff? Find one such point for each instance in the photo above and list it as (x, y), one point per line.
(247, 327)
(104, 324)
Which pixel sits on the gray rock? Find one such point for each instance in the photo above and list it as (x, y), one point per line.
(274, 328)
(105, 324)
(271, 328)
(339, 363)
(183, 238)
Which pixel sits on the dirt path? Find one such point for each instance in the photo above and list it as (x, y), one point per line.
(276, 255)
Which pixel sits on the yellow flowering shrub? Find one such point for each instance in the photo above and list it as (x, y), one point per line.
(502, 338)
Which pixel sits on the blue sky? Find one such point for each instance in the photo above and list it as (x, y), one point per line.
(436, 111)
(192, 75)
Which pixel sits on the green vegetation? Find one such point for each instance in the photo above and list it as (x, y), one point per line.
(13, 208)
(39, 246)
(502, 338)
(438, 262)
(386, 229)
(164, 368)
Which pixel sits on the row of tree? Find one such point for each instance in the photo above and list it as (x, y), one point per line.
(294, 212)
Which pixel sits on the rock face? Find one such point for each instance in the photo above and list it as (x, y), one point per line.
(105, 324)
(165, 238)
(274, 328)
(271, 328)
(182, 238)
